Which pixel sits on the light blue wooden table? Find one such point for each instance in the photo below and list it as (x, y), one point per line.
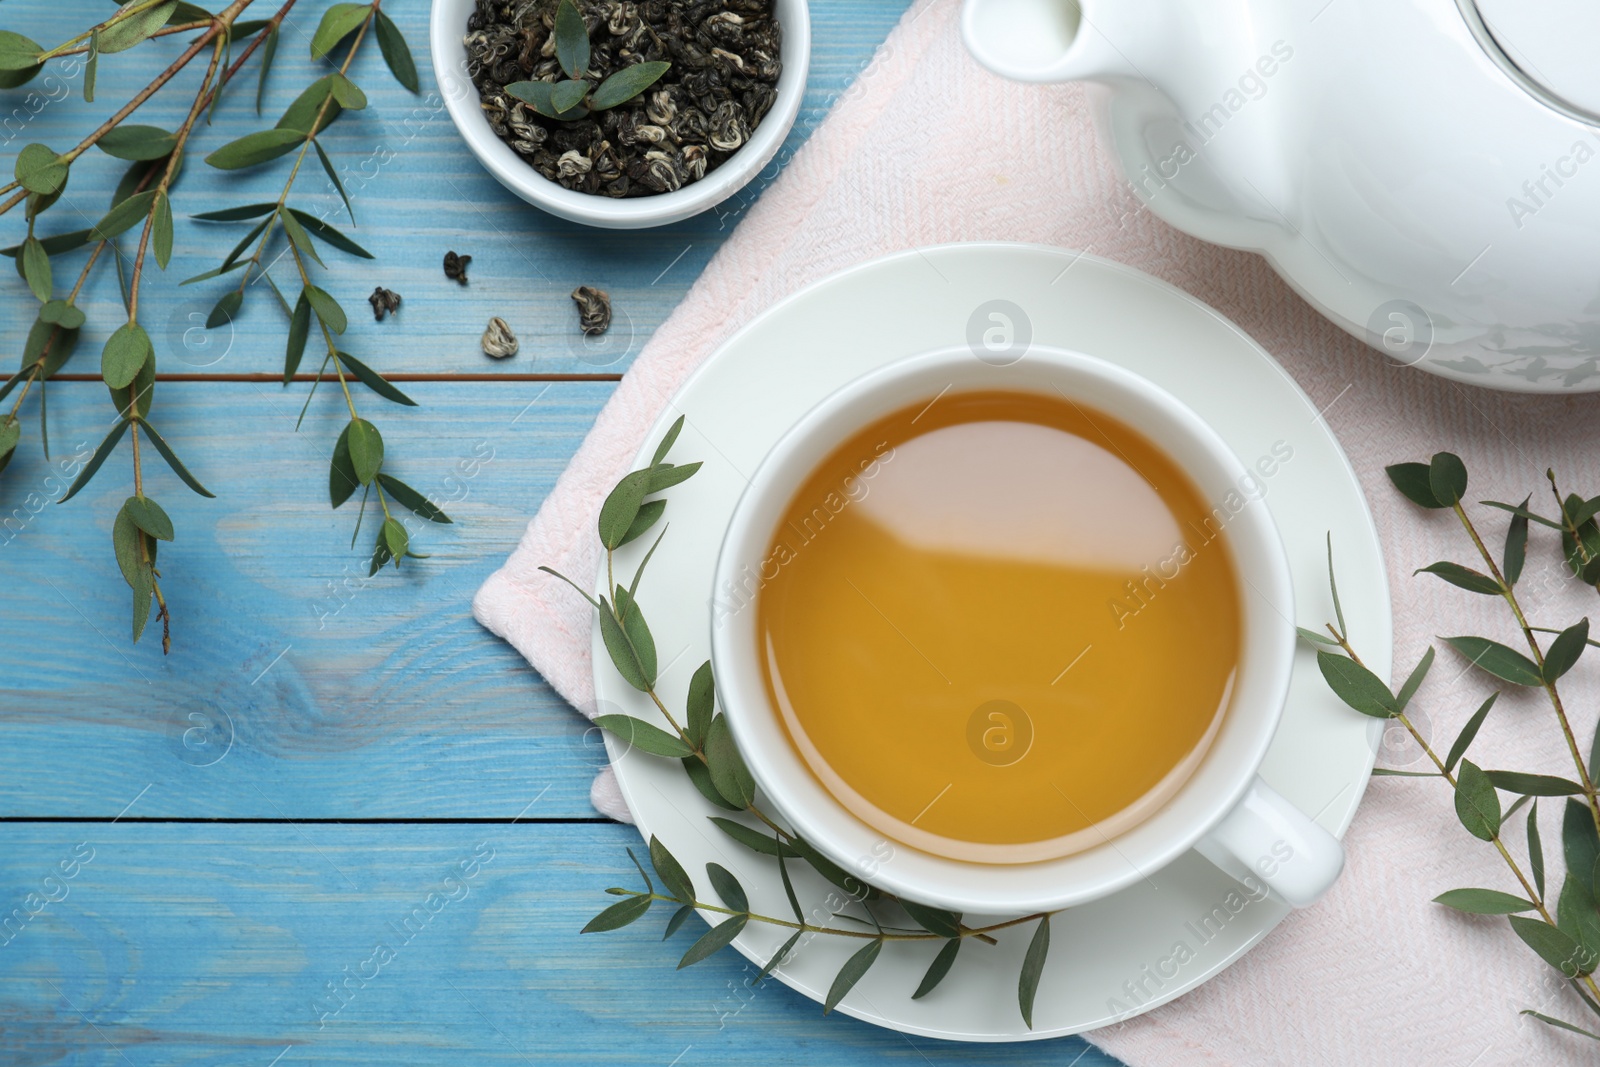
(246, 817)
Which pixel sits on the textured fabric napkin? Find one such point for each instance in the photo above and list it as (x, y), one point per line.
(928, 148)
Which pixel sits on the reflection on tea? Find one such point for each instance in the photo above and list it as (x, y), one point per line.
(999, 626)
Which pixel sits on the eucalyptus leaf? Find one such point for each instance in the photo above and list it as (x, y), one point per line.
(1534, 785)
(255, 148)
(342, 478)
(1462, 577)
(312, 111)
(700, 775)
(123, 216)
(299, 331)
(777, 957)
(55, 244)
(1033, 969)
(1483, 902)
(728, 771)
(392, 43)
(123, 34)
(338, 186)
(754, 840)
(148, 516)
(1357, 686)
(1315, 638)
(133, 142)
(395, 538)
(1414, 480)
(298, 237)
(126, 351)
(1535, 848)
(700, 705)
(626, 84)
(161, 230)
(236, 214)
(39, 170)
(171, 457)
(35, 263)
(668, 439)
(636, 733)
(572, 39)
(1414, 681)
(1447, 477)
(338, 22)
(269, 52)
(679, 917)
(672, 874)
(1564, 651)
(713, 940)
(1477, 803)
(934, 920)
(18, 53)
(1521, 511)
(942, 962)
(107, 445)
(366, 450)
(374, 381)
(60, 313)
(10, 435)
(328, 234)
(621, 507)
(1554, 946)
(1516, 550)
(347, 92)
(666, 475)
(1504, 663)
(226, 307)
(846, 881)
(568, 95)
(1469, 731)
(854, 969)
(623, 655)
(327, 309)
(412, 500)
(727, 887)
(1558, 1024)
(1580, 845)
(618, 915)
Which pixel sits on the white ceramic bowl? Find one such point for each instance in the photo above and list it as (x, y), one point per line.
(448, 25)
(1223, 809)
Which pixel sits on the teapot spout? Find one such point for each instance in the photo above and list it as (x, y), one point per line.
(1050, 40)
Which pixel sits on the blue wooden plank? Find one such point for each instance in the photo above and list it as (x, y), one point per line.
(217, 944)
(417, 192)
(344, 697)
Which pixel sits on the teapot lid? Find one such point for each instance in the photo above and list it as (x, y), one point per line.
(1547, 47)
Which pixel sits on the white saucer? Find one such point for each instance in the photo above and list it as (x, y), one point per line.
(1117, 957)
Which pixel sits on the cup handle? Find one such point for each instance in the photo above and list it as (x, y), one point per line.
(1271, 840)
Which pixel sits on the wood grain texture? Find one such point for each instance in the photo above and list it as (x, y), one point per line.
(417, 192)
(180, 945)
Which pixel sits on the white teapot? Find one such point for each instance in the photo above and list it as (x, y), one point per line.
(1425, 172)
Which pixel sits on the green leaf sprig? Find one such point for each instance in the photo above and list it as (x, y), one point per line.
(143, 199)
(1566, 935)
(703, 745)
(575, 97)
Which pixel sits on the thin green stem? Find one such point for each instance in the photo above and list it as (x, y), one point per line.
(980, 932)
(1510, 596)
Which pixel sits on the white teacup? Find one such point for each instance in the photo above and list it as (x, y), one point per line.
(1224, 809)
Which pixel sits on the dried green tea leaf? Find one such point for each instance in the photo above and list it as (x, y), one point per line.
(854, 969)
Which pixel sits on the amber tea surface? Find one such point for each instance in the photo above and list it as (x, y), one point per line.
(1000, 627)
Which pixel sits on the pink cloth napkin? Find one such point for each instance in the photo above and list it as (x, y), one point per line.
(928, 148)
